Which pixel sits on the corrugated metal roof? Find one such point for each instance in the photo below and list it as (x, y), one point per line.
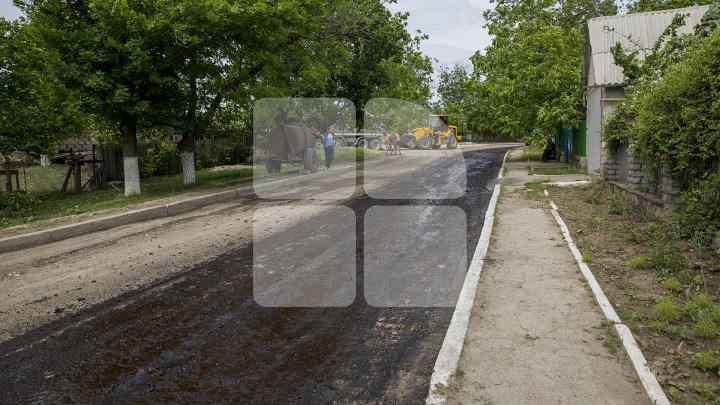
(635, 32)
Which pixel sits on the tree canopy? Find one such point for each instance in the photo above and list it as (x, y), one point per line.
(527, 82)
(38, 110)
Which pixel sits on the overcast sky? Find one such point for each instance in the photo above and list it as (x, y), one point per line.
(9, 11)
(455, 27)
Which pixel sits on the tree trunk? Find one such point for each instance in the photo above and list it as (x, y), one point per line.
(128, 128)
(186, 147)
(188, 166)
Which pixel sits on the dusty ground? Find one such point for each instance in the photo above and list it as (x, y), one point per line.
(610, 241)
(535, 333)
(164, 310)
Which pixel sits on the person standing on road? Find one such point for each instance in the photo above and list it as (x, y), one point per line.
(329, 147)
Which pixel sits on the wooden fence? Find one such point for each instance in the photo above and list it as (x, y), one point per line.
(208, 149)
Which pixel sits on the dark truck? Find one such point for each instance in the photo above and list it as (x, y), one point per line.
(291, 144)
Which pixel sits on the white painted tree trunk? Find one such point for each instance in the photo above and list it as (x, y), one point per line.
(188, 167)
(132, 176)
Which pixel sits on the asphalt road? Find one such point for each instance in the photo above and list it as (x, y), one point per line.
(199, 334)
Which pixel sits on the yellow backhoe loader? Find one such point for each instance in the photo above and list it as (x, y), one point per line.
(436, 134)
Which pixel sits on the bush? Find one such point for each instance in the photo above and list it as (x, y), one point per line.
(702, 213)
(157, 160)
(638, 262)
(666, 310)
(667, 259)
(672, 284)
(678, 116)
(706, 315)
(17, 204)
(619, 204)
(706, 361)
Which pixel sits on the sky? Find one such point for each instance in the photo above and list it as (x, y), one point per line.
(9, 11)
(455, 27)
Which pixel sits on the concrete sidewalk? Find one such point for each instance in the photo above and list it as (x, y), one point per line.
(535, 334)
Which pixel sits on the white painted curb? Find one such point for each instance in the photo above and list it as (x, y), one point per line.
(648, 379)
(449, 356)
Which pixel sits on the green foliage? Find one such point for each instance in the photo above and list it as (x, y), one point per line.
(706, 328)
(706, 390)
(666, 258)
(525, 83)
(618, 204)
(707, 361)
(157, 159)
(672, 284)
(638, 262)
(672, 112)
(706, 315)
(641, 6)
(710, 21)
(17, 204)
(37, 109)
(702, 213)
(666, 310)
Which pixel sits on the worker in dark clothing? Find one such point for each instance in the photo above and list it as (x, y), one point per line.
(550, 152)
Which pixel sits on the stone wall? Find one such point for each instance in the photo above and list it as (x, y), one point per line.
(668, 192)
(609, 164)
(637, 175)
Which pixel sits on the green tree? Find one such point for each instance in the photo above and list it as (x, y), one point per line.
(526, 81)
(37, 110)
(641, 6)
(384, 60)
(115, 59)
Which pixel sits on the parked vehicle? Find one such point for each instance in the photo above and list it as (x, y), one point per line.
(291, 144)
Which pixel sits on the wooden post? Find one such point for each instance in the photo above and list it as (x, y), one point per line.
(8, 176)
(78, 176)
(93, 183)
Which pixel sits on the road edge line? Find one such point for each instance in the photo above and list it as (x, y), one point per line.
(449, 355)
(647, 377)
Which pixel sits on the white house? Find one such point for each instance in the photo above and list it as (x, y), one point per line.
(603, 82)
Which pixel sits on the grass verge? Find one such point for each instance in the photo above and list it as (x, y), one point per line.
(554, 171)
(59, 205)
(664, 286)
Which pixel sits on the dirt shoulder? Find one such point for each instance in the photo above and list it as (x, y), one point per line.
(536, 334)
(662, 287)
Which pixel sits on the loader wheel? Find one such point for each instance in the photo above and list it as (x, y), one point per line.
(362, 143)
(452, 142)
(374, 144)
(425, 142)
(339, 142)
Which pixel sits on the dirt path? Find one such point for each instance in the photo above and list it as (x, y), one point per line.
(535, 335)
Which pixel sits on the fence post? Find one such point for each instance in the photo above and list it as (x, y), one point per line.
(8, 177)
(78, 176)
